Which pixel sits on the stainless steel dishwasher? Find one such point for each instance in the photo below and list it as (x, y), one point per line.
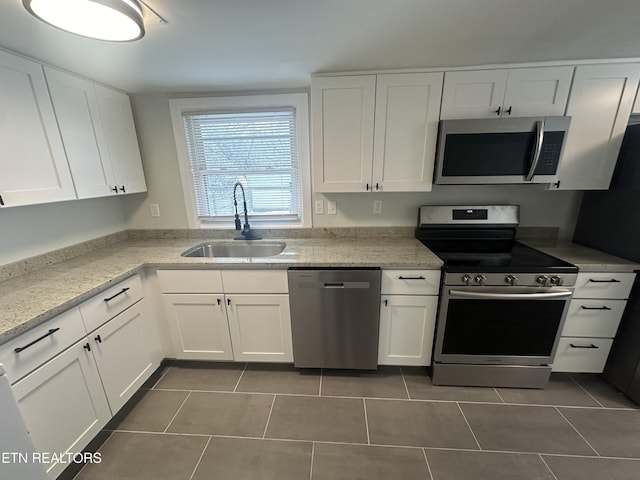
(335, 316)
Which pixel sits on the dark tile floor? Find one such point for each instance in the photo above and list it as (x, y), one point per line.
(249, 421)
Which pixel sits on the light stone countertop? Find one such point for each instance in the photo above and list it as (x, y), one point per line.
(585, 258)
(28, 300)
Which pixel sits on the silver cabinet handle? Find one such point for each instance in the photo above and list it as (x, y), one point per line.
(510, 296)
(537, 149)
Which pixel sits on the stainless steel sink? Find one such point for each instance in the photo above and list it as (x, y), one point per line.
(236, 249)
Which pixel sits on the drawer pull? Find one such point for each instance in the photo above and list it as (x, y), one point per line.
(583, 346)
(411, 278)
(50, 332)
(604, 307)
(114, 296)
(613, 280)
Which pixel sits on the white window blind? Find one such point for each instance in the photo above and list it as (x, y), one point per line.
(258, 149)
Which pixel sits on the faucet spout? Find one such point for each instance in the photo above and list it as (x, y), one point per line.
(246, 233)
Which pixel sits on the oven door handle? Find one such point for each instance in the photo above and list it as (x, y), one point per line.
(511, 296)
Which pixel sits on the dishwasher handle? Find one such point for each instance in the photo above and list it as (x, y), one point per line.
(346, 285)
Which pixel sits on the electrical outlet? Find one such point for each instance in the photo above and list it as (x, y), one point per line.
(377, 206)
(332, 207)
(319, 207)
(155, 209)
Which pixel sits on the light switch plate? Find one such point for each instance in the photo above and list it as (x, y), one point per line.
(332, 207)
(319, 205)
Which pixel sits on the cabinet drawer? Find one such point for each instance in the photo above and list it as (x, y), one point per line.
(111, 302)
(586, 355)
(410, 282)
(51, 338)
(593, 318)
(603, 285)
(255, 281)
(190, 281)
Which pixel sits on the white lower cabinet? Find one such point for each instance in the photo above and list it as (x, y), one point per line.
(69, 378)
(592, 321)
(199, 327)
(408, 309)
(240, 315)
(63, 403)
(407, 324)
(260, 327)
(123, 355)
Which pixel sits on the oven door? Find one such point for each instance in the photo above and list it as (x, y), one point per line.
(500, 325)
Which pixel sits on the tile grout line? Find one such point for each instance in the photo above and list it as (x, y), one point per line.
(469, 426)
(240, 378)
(499, 396)
(264, 434)
(366, 421)
(548, 467)
(200, 459)
(405, 383)
(577, 431)
(424, 453)
(166, 370)
(586, 391)
(313, 450)
(177, 412)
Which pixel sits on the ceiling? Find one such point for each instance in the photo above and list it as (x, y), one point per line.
(221, 45)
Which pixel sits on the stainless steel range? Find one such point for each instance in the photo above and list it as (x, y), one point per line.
(502, 304)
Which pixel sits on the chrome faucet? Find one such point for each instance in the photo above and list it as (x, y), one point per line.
(247, 234)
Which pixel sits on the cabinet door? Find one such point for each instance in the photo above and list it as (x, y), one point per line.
(199, 327)
(34, 165)
(406, 129)
(121, 140)
(260, 327)
(125, 359)
(342, 117)
(534, 92)
(406, 329)
(599, 105)
(63, 404)
(76, 107)
(473, 94)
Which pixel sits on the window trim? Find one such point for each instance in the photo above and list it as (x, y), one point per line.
(299, 101)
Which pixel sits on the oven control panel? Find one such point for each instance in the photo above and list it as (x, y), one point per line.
(510, 279)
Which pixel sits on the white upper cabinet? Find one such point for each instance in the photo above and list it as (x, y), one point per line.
(121, 140)
(375, 133)
(342, 110)
(518, 92)
(406, 130)
(601, 100)
(99, 137)
(76, 106)
(32, 158)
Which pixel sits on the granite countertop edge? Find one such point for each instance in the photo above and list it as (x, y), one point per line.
(29, 300)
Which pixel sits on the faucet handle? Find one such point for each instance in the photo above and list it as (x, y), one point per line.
(238, 222)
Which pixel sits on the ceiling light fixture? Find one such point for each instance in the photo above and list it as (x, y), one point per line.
(112, 20)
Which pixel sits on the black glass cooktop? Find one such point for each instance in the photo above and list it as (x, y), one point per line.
(519, 259)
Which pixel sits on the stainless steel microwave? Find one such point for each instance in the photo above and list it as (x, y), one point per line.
(500, 150)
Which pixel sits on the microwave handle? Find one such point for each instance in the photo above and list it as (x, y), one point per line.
(537, 148)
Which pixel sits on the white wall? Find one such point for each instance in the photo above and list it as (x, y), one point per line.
(539, 207)
(35, 229)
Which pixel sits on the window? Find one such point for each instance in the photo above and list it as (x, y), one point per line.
(258, 141)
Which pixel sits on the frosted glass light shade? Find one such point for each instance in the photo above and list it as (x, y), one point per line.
(112, 20)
